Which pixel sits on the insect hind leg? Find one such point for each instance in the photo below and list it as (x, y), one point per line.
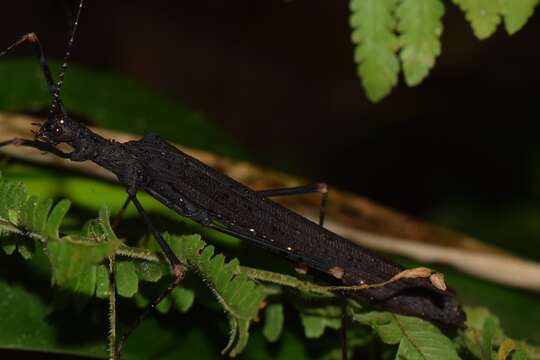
(178, 268)
(321, 188)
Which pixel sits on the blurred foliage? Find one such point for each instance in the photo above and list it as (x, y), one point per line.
(382, 29)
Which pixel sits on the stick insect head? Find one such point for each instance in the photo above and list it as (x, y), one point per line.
(60, 128)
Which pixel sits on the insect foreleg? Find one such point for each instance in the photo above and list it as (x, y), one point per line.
(36, 144)
(32, 39)
(321, 188)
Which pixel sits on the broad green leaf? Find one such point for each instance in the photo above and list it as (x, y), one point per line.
(273, 322)
(420, 28)
(127, 282)
(373, 25)
(418, 339)
(484, 15)
(516, 13)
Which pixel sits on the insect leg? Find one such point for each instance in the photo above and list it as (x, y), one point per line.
(178, 268)
(36, 144)
(321, 188)
(120, 213)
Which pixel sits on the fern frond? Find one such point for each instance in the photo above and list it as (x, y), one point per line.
(484, 15)
(516, 13)
(240, 297)
(420, 28)
(373, 25)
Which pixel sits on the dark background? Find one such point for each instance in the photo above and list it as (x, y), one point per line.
(279, 76)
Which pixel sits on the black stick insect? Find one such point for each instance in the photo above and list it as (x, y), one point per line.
(198, 192)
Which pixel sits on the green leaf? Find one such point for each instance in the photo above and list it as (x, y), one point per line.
(489, 329)
(314, 325)
(55, 219)
(516, 13)
(418, 339)
(520, 354)
(484, 15)
(373, 25)
(102, 282)
(239, 296)
(273, 322)
(420, 29)
(183, 298)
(164, 305)
(72, 260)
(475, 337)
(127, 282)
(148, 271)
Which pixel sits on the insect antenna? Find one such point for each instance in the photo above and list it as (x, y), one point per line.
(56, 104)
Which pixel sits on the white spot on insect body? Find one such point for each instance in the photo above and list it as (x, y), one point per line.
(289, 248)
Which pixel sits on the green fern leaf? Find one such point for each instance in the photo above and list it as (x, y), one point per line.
(148, 271)
(373, 25)
(183, 298)
(420, 29)
(74, 262)
(127, 282)
(316, 320)
(480, 321)
(417, 338)
(55, 219)
(484, 15)
(239, 296)
(520, 354)
(490, 328)
(102, 282)
(12, 197)
(516, 13)
(273, 322)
